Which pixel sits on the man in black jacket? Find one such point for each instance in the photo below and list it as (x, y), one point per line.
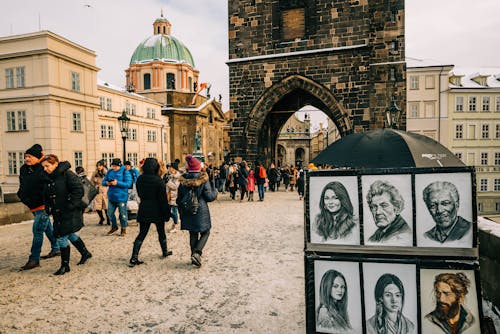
(31, 183)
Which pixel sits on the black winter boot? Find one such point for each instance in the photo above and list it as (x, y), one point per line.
(65, 252)
(165, 252)
(101, 217)
(83, 251)
(134, 260)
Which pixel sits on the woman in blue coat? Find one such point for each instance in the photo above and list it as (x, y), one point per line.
(198, 224)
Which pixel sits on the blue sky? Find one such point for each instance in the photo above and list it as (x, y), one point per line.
(461, 32)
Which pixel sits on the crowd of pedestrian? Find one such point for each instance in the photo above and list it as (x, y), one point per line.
(163, 193)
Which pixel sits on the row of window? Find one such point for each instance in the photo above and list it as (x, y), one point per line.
(480, 207)
(130, 108)
(415, 82)
(16, 159)
(170, 81)
(107, 132)
(484, 158)
(16, 121)
(472, 104)
(429, 110)
(483, 185)
(471, 131)
(15, 78)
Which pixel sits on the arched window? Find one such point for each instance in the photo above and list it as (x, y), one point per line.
(164, 31)
(170, 81)
(147, 81)
(299, 156)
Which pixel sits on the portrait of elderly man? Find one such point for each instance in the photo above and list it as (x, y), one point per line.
(442, 201)
(386, 203)
(450, 314)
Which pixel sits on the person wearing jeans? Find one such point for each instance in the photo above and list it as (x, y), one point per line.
(63, 194)
(259, 179)
(122, 215)
(118, 180)
(172, 187)
(41, 226)
(31, 184)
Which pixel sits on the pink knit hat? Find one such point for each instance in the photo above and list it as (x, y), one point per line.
(194, 165)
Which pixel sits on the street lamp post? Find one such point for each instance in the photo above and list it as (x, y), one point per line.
(393, 113)
(124, 121)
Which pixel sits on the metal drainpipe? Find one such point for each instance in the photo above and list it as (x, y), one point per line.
(161, 140)
(439, 105)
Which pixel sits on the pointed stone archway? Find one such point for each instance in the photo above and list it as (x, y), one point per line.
(346, 58)
(278, 103)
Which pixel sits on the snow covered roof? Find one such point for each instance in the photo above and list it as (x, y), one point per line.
(476, 77)
(424, 62)
(461, 77)
(489, 226)
(122, 90)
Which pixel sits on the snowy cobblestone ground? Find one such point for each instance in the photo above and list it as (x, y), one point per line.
(252, 279)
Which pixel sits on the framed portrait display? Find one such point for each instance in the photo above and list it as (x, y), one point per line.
(444, 210)
(390, 291)
(388, 208)
(371, 295)
(337, 297)
(450, 297)
(334, 210)
(411, 211)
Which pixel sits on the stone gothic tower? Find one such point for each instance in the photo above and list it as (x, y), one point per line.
(344, 57)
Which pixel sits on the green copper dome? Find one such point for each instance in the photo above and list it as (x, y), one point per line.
(164, 48)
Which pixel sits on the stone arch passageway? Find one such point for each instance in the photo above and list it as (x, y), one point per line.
(278, 103)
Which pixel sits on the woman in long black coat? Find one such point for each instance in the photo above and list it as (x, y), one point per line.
(242, 179)
(63, 194)
(153, 208)
(198, 224)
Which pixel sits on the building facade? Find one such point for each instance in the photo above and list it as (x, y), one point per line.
(474, 136)
(468, 123)
(427, 105)
(49, 95)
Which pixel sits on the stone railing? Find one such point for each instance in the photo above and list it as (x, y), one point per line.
(489, 248)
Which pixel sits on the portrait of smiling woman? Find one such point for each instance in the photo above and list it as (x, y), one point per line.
(336, 219)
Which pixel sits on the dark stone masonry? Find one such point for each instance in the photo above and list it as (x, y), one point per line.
(343, 57)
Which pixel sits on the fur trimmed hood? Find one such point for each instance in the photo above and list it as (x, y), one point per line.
(193, 179)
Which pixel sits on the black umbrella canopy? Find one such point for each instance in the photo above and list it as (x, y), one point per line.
(387, 148)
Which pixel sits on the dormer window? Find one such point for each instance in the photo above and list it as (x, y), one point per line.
(480, 79)
(456, 80)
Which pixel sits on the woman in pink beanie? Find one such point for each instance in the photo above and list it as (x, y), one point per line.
(198, 224)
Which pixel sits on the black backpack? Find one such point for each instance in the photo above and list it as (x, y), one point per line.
(89, 191)
(188, 203)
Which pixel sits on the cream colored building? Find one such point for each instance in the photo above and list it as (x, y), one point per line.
(49, 95)
(427, 105)
(474, 100)
(294, 142)
(468, 123)
(149, 131)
